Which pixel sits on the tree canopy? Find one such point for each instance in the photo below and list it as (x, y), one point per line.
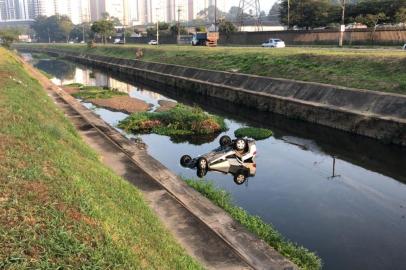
(8, 36)
(103, 28)
(55, 28)
(317, 13)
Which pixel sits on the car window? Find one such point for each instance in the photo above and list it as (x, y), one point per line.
(277, 40)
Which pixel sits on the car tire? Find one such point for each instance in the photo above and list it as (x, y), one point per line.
(185, 160)
(202, 164)
(225, 141)
(240, 178)
(201, 173)
(240, 144)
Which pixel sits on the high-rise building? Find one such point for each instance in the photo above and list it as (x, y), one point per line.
(141, 12)
(97, 8)
(3, 15)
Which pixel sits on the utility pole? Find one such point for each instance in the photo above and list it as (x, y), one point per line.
(342, 26)
(157, 27)
(179, 11)
(215, 16)
(253, 8)
(288, 14)
(83, 31)
(124, 21)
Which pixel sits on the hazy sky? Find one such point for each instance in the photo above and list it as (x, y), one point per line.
(265, 4)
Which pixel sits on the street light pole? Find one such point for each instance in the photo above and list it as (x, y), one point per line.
(342, 26)
(157, 27)
(179, 10)
(124, 21)
(288, 14)
(215, 16)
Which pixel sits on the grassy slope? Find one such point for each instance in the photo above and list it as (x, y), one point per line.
(299, 255)
(59, 206)
(380, 70)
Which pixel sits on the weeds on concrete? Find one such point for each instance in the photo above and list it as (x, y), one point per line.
(301, 256)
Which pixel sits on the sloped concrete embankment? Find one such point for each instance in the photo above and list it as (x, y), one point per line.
(374, 114)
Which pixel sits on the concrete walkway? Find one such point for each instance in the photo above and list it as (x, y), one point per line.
(204, 230)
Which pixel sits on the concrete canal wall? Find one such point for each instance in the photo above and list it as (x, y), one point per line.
(374, 114)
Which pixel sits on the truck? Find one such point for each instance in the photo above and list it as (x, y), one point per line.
(205, 39)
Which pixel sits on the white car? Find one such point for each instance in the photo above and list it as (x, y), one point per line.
(236, 157)
(153, 42)
(404, 47)
(274, 43)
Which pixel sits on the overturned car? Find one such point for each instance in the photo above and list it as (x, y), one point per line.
(236, 157)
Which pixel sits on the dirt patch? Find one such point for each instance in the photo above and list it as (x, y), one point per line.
(165, 105)
(123, 104)
(40, 190)
(75, 214)
(4, 75)
(70, 90)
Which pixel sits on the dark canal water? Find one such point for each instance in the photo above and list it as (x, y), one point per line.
(353, 218)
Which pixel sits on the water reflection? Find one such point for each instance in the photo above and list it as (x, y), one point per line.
(58, 68)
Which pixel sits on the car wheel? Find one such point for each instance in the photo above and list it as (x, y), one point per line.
(239, 178)
(202, 164)
(225, 140)
(240, 144)
(201, 173)
(185, 160)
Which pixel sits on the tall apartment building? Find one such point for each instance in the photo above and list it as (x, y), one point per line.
(77, 11)
(141, 11)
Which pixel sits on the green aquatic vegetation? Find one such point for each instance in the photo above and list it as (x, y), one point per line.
(93, 92)
(255, 133)
(178, 121)
(74, 85)
(301, 256)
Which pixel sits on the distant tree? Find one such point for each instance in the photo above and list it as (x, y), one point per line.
(208, 14)
(77, 32)
(105, 16)
(401, 16)
(174, 30)
(274, 13)
(306, 13)
(371, 20)
(65, 26)
(226, 28)
(163, 26)
(233, 14)
(8, 36)
(54, 28)
(163, 30)
(201, 28)
(104, 28)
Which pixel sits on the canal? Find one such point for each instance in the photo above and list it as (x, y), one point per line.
(352, 214)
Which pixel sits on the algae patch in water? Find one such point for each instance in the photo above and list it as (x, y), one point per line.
(255, 133)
